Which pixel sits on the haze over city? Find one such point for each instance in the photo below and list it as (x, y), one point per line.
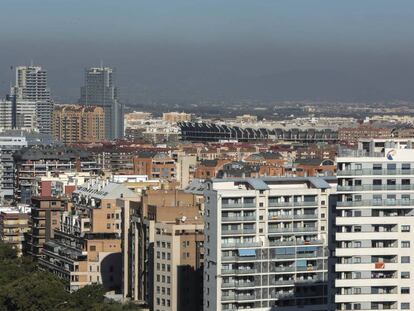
(190, 51)
(190, 155)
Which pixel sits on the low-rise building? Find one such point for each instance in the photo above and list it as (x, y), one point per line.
(14, 223)
(44, 219)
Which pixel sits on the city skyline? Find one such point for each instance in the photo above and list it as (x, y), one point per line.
(198, 51)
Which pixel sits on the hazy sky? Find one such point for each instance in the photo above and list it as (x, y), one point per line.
(217, 49)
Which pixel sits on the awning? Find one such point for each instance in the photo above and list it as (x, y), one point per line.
(247, 252)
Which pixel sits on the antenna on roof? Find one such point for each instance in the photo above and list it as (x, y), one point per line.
(101, 64)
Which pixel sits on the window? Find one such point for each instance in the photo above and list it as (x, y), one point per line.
(92, 248)
(405, 181)
(357, 260)
(405, 290)
(357, 229)
(377, 182)
(108, 205)
(405, 275)
(405, 228)
(391, 166)
(405, 306)
(405, 244)
(377, 166)
(108, 226)
(357, 290)
(357, 182)
(405, 259)
(108, 216)
(357, 244)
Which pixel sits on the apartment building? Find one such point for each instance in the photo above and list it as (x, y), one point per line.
(44, 219)
(86, 248)
(156, 165)
(14, 223)
(8, 145)
(75, 123)
(35, 161)
(178, 265)
(174, 117)
(266, 244)
(374, 222)
(139, 222)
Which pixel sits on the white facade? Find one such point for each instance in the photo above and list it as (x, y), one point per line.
(31, 84)
(375, 220)
(266, 244)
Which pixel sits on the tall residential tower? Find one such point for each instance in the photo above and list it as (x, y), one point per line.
(100, 90)
(375, 215)
(266, 244)
(31, 88)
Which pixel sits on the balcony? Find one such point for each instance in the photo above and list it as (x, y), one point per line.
(290, 230)
(374, 188)
(376, 203)
(238, 271)
(241, 245)
(238, 218)
(370, 172)
(292, 204)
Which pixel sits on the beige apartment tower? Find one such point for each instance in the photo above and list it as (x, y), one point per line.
(77, 123)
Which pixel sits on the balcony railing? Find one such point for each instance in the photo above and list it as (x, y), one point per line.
(375, 188)
(292, 204)
(238, 218)
(369, 171)
(386, 202)
(288, 230)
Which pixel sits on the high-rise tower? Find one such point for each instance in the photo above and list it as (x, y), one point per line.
(31, 86)
(100, 90)
(374, 218)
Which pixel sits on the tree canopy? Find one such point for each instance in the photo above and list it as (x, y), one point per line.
(24, 287)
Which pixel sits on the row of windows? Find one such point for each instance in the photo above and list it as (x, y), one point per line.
(163, 302)
(163, 255)
(163, 290)
(163, 244)
(163, 267)
(357, 306)
(164, 279)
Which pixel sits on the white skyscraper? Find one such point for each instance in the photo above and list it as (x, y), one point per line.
(31, 86)
(375, 216)
(266, 244)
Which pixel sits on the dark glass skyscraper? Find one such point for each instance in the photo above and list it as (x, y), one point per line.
(100, 90)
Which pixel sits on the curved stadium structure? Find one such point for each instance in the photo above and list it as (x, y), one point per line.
(210, 132)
